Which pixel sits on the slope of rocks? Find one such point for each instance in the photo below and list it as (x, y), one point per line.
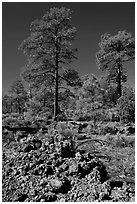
(41, 174)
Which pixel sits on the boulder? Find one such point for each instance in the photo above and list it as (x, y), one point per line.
(61, 185)
(28, 148)
(50, 197)
(37, 144)
(21, 198)
(49, 170)
(73, 169)
(130, 130)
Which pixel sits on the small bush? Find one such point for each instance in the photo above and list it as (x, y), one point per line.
(82, 117)
(9, 121)
(120, 140)
(91, 129)
(108, 128)
(62, 117)
(126, 106)
(62, 126)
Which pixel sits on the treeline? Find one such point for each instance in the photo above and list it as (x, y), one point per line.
(50, 89)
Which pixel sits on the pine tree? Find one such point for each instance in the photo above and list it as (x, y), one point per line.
(48, 50)
(114, 51)
(19, 96)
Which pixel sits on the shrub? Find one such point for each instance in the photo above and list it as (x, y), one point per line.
(126, 106)
(28, 116)
(62, 126)
(69, 114)
(90, 128)
(113, 115)
(8, 121)
(63, 138)
(99, 115)
(120, 140)
(15, 115)
(80, 116)
(62, 116)
(108, 128)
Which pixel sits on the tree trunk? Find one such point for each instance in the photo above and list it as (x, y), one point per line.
(119, 86)
(56, 86)
(11, 107)
(19, 106)
(56, 80)
(56, 96)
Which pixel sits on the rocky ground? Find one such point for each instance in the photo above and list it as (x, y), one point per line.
(36, 171)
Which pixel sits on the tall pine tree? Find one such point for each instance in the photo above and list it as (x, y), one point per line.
(48, 50)
(114, 51)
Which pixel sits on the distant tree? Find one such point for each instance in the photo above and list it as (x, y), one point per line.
(90, 87)
(48, 49)
(19, 96)
(66, 99)
(90, 97)
(41, 102)
(7, 101)
(110, 94)
(126, 105)
(114, 51)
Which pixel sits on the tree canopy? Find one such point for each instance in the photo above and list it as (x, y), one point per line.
(114, 51)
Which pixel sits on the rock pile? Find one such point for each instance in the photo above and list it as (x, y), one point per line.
(42, 174)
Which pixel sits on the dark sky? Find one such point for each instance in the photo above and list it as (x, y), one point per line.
(91, 19)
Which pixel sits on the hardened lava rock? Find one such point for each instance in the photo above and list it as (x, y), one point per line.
(42, 175)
